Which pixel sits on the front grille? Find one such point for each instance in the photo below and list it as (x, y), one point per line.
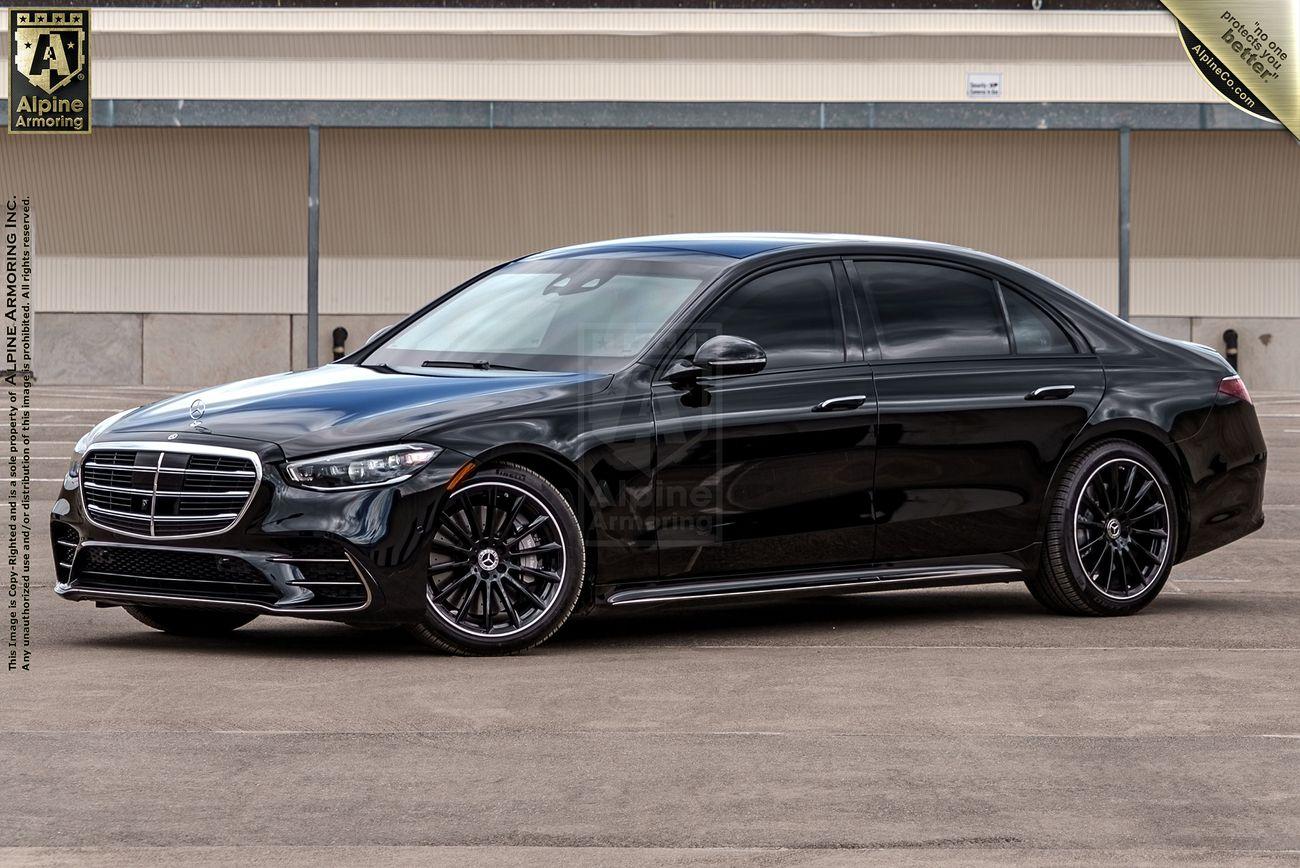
(173, 573)
(167, 491)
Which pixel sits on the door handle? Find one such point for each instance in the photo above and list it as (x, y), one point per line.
(848, 402)
(1050, 393)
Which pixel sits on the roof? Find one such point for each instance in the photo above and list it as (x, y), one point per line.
(736, 245)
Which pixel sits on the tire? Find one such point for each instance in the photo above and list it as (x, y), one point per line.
(1112, 533)
(494, 586)
(190, 622)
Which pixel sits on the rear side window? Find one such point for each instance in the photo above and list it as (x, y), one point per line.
(1034, 331)
(931, 311)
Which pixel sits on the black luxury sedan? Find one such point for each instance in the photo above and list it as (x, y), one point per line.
(676, 418)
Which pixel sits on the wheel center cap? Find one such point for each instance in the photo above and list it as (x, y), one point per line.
(488, 560)
(1112, 529)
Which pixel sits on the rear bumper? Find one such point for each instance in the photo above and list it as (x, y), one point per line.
(350, 556)
(1226, 462)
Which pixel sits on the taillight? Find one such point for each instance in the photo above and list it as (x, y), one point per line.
(1234, 387)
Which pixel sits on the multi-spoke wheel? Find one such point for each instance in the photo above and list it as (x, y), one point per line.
(1112, 533)
(1121, 528)
(505, 564)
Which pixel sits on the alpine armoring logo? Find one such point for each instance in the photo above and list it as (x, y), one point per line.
(49, 71)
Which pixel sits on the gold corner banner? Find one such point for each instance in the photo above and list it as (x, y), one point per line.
(1246, 50)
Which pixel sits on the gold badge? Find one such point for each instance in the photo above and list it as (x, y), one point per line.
(49, 71)
(1246, 50)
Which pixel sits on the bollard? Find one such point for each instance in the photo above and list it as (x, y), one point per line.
(340, 341)
(1230, 348)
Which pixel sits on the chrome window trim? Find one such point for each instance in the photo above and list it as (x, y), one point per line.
(162, 446)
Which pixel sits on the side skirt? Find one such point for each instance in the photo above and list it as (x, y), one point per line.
(842, 582)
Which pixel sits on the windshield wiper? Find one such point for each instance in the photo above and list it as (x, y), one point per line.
(480, 365)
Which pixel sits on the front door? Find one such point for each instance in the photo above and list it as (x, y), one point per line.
(770, 472)
(980, 392)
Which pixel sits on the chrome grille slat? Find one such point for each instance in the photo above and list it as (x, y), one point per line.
(146, 491)
(218, 516)
(168, 490)
(193, 471)
(188, 472)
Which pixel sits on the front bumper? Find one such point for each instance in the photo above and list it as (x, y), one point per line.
(340, 555)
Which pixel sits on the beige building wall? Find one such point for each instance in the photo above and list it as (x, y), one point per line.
(659, 55)
(159, 223)
(214, 221)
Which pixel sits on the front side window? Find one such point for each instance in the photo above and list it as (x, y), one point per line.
(793, 314)
(931, 311)
(558, 314)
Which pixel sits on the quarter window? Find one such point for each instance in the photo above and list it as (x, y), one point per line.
(793, 314)
(1035, 332)
(931, 311)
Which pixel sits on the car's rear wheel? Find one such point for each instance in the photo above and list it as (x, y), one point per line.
(1112, 532)
(506, 565)
(190, 622)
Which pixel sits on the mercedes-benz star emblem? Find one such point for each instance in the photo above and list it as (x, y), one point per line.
(196, 409)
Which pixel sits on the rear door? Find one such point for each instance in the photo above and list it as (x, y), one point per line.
(980, 390)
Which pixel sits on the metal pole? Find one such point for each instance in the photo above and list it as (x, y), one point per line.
(313, 246)
(1125, 183)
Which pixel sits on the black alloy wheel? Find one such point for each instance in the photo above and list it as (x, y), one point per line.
(1112, 533)
(505, 564)
(1121, 523)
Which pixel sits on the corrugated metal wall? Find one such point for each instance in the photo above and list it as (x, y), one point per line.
(663, 54)
(193, 220)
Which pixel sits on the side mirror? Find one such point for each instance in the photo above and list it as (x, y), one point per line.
(721, 356)
(377, 335)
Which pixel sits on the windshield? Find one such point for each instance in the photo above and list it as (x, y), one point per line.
(563, 314)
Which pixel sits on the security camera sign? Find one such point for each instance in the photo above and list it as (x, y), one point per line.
(983, 85)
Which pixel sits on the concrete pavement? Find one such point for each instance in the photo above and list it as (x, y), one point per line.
(962, 726)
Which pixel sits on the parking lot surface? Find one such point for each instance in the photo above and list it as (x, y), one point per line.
(962, 726)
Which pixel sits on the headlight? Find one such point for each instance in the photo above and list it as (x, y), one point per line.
(363, 468)
(91, 435)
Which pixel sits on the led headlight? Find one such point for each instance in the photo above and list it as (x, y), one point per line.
(363, 468)
(91, 435)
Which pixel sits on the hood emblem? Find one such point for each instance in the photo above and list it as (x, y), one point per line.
(197, 408)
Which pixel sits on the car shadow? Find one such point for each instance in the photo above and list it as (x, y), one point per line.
(934, 617)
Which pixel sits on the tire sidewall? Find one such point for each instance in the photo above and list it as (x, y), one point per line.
(1100, 455)
(434, 630)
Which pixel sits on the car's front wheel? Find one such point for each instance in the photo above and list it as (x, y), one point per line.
(190, 622)
(1112, 533)
(506, 565)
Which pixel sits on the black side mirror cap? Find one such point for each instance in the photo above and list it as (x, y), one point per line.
(729, 355)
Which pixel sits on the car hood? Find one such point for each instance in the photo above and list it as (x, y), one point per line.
(342, 406)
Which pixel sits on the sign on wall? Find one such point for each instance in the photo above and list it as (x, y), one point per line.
(983, 85)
